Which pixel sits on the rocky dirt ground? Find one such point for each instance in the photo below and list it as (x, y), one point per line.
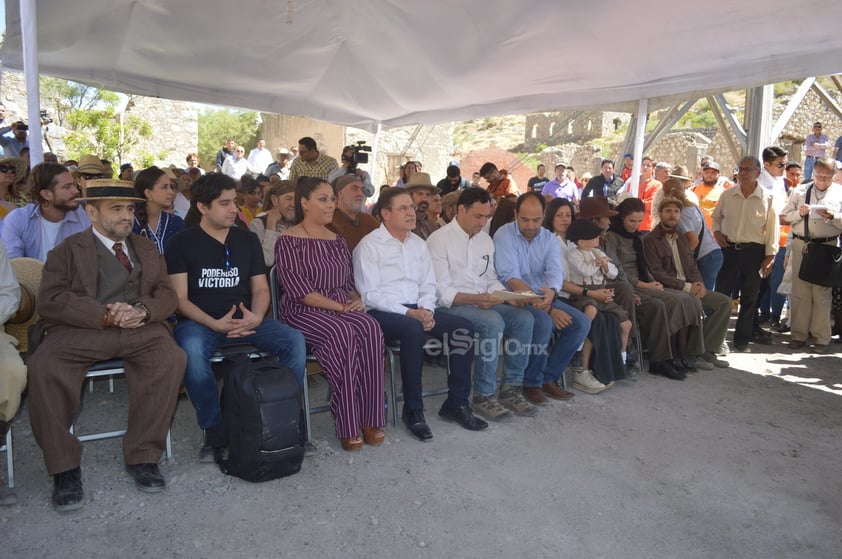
(740, 462)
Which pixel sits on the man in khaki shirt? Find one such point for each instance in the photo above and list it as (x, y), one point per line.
(745, 225)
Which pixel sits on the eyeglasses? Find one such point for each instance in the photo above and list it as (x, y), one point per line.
(746, 169)
(88, 177)
(413, 207)
(823, 177)
(5, 169)
(781, 165)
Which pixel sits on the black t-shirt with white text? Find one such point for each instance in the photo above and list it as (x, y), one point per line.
(218, 275)
(537, 183)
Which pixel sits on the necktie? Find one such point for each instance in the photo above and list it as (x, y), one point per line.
(121, 256)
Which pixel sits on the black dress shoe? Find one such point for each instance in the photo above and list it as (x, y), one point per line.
(67, 490)
(665, 369)
(147, 477)
(464, 416)
(678, 365)
(688, 365)
(417, 425)
(761, 336)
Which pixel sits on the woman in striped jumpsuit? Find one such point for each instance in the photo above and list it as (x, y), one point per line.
(316, 275)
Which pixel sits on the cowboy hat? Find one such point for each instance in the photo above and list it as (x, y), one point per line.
(28, 272)
(421, 180)
(88, 165)
(109, 189)
(593, 207)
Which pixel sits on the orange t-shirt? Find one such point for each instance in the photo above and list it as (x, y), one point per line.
(504, 187)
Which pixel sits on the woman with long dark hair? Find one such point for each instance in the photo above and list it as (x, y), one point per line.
(152, 219)
(670, 321)
(315, 272)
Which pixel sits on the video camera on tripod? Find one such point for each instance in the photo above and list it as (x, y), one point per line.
(359, 155)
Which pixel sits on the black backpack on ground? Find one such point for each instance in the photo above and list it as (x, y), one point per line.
(263, 419)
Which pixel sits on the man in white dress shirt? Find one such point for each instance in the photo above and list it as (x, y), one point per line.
(463, 259)
(394, 276)
(260, 158)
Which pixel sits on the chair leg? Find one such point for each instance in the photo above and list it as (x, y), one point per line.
(306, 391)
(10, 459)
(390, 355)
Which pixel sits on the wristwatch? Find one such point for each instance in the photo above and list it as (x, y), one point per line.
(145, 309)
(585, 291)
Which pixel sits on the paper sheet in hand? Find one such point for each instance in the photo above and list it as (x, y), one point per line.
(516, 295)
(815, 209)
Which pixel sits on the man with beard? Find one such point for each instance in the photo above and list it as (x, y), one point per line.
(422, 190)
(671, 263)
(105, 294)
(348, 218)
(52, 216)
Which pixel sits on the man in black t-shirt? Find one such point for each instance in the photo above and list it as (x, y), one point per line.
(537, 182)
(219, 274)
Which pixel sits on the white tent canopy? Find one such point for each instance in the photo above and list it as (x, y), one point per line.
(398, 62)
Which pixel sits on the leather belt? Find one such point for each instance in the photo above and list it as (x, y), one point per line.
(814, 239)
(742, 246)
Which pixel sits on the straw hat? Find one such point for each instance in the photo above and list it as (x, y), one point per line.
(88, 165)
(110, 189)
(18, 163)
(28, 272)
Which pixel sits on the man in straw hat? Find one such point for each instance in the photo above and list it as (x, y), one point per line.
(105, 294)
(52, 215)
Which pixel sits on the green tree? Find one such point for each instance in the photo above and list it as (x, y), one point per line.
(90, 117)
(217, 125)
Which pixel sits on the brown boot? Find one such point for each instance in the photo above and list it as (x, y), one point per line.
(535, 395)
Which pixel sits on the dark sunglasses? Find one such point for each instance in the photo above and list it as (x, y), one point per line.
(92, 177)
(781, 165)
(5, 169)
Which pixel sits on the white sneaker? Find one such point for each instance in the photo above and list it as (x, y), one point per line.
(586, 382)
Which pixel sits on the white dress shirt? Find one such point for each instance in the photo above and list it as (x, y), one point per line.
(462, 264)
(390, 274)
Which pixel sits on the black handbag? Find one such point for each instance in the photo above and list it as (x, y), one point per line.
(821, 264)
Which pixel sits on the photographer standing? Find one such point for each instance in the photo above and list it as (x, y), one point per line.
(349, 167)
(12, 146)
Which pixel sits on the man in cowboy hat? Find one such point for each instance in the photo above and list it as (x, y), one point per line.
(421, 189)
(348, 218)
(105, 294)
(52, 215)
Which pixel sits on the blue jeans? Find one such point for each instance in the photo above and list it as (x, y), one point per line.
(545, 366)
(199, 342)
(771, 302)
(516, 324)
(808, 167)
(709, 266)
